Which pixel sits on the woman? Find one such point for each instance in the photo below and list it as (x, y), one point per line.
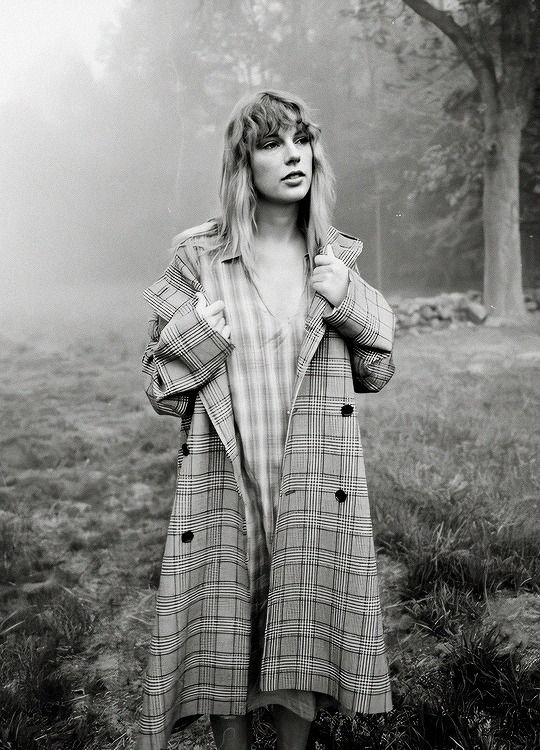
(263, 332)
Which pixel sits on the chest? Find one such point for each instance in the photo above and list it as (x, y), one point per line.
(280, 290)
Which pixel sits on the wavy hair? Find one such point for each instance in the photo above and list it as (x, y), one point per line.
(254, 117)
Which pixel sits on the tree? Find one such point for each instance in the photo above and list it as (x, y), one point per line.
(505, 66)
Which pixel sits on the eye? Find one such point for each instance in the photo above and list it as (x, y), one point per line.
(302, 139)
(269, 144)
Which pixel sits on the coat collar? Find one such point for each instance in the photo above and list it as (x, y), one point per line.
(174, 289)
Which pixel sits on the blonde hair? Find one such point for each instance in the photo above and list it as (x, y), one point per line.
(254, 117)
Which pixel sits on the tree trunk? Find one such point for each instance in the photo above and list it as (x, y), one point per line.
(374, 103)
(503, 287)
(378, 229)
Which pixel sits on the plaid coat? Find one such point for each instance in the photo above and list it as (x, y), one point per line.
(324, 627)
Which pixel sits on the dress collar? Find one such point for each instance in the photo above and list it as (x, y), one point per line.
(231, 255)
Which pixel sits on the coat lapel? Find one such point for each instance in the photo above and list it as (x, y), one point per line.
(174, 290)
(346, 249)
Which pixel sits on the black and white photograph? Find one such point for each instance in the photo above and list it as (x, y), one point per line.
(270, 365)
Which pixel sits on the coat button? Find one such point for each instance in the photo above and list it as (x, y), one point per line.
(341, 496)
(347, 409)
(185, 449)
(187, 536)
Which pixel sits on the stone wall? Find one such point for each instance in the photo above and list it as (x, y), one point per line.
(449, 310)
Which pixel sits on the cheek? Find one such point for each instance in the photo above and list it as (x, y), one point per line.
(308, 161)
(259, 169)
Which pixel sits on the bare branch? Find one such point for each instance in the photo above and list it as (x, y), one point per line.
(478, 62)
(481, 65)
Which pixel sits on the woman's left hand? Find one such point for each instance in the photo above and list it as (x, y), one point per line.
(331, 277)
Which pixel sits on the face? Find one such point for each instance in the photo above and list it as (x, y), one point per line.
(282, 166)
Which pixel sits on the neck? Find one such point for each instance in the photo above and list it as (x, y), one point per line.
(276, 223)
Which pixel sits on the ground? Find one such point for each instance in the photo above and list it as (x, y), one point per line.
(86, 487)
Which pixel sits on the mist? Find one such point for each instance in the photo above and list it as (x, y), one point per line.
(99, 172)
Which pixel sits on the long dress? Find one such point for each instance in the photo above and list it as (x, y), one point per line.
(262, 371)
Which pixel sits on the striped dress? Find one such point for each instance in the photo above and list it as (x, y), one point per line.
(262, 371)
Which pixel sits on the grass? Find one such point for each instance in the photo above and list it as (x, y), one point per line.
(86, 488)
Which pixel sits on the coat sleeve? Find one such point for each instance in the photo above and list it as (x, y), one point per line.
(367, 322)
(184, 352)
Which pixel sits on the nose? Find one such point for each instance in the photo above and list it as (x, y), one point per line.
(292, 153)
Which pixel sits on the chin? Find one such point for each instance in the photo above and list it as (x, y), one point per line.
(294, 195)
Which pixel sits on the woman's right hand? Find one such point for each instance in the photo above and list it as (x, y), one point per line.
(214, 314)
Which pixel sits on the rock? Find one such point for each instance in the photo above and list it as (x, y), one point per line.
(446, 312)
(457, 298)
(476, 312)
(404, 321)
(448, 308)
(428, 312)
(411, 307)
(437, 323)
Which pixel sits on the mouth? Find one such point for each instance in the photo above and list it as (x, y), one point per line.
(294, 175)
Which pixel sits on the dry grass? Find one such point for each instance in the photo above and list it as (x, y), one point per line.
(86, 487)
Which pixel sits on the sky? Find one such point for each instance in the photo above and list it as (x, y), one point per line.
(42, 30)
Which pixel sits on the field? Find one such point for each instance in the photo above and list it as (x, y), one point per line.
(86, 487)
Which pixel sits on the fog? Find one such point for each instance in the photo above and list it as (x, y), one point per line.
(103, 163)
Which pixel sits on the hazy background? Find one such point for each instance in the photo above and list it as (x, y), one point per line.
(111, 120)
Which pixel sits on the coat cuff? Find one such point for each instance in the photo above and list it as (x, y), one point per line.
(363, 315)
(189, 345)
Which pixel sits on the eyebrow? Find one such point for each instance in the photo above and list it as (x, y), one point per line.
(301, 130)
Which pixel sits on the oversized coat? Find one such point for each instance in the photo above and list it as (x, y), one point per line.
(324, 627)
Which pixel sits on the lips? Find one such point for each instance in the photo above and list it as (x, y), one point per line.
(297, 173)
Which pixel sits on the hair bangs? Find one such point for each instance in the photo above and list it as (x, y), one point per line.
(270, 114)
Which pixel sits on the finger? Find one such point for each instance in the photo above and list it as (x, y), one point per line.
(216, 307)
(226, 332)
(201, 301)
(220, 324)
(330, 251)
(324, 260)
(322, 273)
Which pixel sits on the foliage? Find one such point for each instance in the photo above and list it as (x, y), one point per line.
(446, 181)
(478, 697)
